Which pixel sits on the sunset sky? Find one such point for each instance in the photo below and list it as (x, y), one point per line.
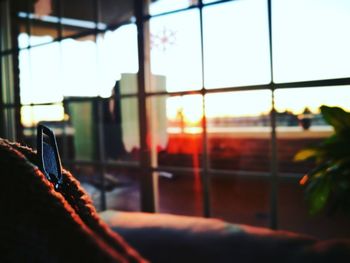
(309, 42)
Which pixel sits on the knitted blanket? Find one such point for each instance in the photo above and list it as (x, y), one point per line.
(40, 224)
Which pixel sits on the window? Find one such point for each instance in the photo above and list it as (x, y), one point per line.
(213, 103)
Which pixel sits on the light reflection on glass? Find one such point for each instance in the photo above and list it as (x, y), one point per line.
(310, 39)
(175, 50)
(236, 44)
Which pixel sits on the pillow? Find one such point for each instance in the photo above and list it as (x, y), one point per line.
(40, 224)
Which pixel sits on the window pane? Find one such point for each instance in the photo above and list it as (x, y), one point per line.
(120, 128)
(240, 200)
(43, 75)
(175, 50)
(118, 60)
(25, 79)
(297, 129)
(310, 39)
(176, 141)
(32, 115)
(238, 125)
(177, 136)
(180, 194)
(236, 44)
(162, 6)
(293, 215)
(130, 126)
(79, 69)
(123, 190)
(82, 115)
(43, 22)
(159, 123)
(23, 35)
(112, 13)
(76, 19)
(40, 83)
(290, 105)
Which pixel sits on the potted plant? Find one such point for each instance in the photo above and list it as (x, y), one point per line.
(327, 186)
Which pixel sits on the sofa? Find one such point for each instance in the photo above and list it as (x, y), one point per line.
(173, 238)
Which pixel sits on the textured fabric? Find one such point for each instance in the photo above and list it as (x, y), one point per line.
(39, 224)
(170, 238)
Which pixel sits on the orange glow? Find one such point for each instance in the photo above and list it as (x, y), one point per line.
(193, 130)
(304, 180)
(193, 117)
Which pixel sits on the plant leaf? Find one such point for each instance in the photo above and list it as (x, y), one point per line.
(305, 154)
(318, 195)
(337, 117)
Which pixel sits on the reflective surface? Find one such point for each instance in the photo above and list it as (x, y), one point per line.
(300, 124)
(79, 68)
(117, 60)
(175, 50)
(310, 40)
(240, 200)
(236, 44)
(76, 19)
(239, 132)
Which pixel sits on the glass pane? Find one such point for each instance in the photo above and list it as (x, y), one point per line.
(293, 215)
(300, 125)
(120, 130)
(175, 51)
(32, 115)
(238, 125)
(176, 141)
(310, 39)
(240, 200)
(162, 6)
(41, 78)
(52, 116)
(79, 67)
(177, 136)
(159, 126)
(43, 22)
(76, 19)
(23, 34)
(90, 178)
(122, 190)
(292, 106)
(180, 193)
(118, 60)
(130, 126)
(25, 78)
(112, 13)
(236, 44)
(82, 115)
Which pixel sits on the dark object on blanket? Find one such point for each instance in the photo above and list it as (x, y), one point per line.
(40, 224)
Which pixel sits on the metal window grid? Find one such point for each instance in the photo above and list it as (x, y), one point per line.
(148, 192)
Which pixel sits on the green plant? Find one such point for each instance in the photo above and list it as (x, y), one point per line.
(327, 186)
